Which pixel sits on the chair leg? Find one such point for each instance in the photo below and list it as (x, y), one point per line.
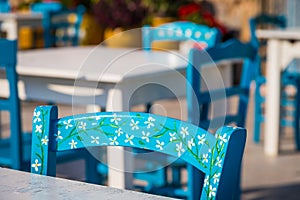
(257, 116)
(91, 173)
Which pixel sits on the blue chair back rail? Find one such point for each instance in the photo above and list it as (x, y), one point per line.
(10, 150)
(180, 31)
(218, 157)
(199, 98)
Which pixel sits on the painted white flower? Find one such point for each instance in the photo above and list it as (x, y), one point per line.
(38, 128)
(73, 144)
(45, 140)
(179, 149)
(159, 145)
(205, 158)
(82, 125)
(219, 162)
(223, 139)
(129, 139)
(206, 183)
(98, 118)
(201, 139)
(115, 119)
(68, 124)
(36, 117)
(134, 125)
(145, 136)
(36, 165)
(191, 143)
(216, 177)
(119, 131)
(58, 136)
(95, 139)
(172, 136)
(114, 141)
(184, 131)
(149, 122)
(212, 191)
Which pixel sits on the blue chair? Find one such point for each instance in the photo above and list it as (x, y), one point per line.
(217, 157)
(203, 101)
(11, 151)
(47, 9)
(61, 26)
(179, 31)
(289, 108)
(65, 26)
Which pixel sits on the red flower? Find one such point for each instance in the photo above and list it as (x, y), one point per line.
(189, 9)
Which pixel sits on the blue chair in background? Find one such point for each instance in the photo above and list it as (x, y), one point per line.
(206, 104)
(289, 106)
(47, 9)
(11, 151)
(180, 31)
(217, 157)
(60, 25)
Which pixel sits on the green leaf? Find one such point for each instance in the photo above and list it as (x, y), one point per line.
(79, 138)
(39, 156)
(141, 142)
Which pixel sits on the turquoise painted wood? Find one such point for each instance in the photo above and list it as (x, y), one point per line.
(11, 152)
(47, 9)
(180, 31)
(200, 101)
(61, 26)
(218, 157)
(66, 26)
(198, 98)
(289, 104)
(4, 6)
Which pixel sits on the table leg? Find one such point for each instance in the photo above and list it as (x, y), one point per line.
(272, 115)
(119, 159)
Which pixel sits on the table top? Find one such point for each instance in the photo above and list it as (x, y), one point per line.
(98, 63)
(23, 185)
(20, 15)
(286, 34)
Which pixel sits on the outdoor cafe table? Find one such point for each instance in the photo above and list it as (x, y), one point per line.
(11, 22)
(16, 185)
(280, 51)
(113, 78)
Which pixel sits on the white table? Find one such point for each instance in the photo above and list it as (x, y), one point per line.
(11, 22)
(112, 78)
(17, 185)
(103, 77)
(279, 53)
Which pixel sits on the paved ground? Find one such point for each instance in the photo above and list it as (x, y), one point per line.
(263, 177)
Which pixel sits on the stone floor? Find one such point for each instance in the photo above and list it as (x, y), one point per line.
(263, 177)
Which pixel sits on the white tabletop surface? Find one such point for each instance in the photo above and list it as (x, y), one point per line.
(97, 63)
(20, 15)
(15, 185)
(290, 34)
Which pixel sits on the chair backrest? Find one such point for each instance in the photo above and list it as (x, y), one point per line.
(61, 26)
(66, 26)
(8, 60)
(180, 31)
(47, 8)
(201, 99)
(265, 20)
(218, 157)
